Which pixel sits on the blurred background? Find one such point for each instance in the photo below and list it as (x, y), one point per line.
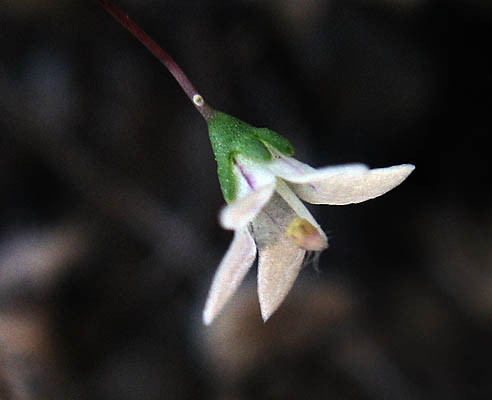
(109, 198)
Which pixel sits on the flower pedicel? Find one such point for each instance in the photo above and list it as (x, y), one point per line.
(263, 187)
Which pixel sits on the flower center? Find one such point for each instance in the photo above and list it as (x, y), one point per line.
(248, 177)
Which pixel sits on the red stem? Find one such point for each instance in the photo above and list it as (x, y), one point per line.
(161, 55)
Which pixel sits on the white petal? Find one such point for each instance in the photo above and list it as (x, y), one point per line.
(230, 273)
(280, 259)
(348, 184)
(251, 176)
(300, 209)
(294, 171)
(288, 167)
(241, 212)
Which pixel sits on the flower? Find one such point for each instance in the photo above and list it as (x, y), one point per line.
(266, 214)
(262, 185)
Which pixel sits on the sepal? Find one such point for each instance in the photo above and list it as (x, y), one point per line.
(231, 137)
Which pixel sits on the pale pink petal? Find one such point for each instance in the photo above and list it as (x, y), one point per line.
(242, 211)
(280, 259)
(292, 170)
(288, 167)
(348, 184)
(230, 273)
(251, 176)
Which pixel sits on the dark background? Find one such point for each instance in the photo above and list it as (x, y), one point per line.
(109, 198)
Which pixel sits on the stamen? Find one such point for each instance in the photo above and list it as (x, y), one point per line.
(305, 235)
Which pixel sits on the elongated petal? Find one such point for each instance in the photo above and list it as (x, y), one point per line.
(241, 212)
(289, 168)
(230, 273)
(316, 241)
(280, 259)
(294, 171)
(348, 184)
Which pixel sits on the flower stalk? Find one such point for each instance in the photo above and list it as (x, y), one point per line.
(162, 56)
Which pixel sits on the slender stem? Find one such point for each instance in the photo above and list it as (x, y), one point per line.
(161, 55)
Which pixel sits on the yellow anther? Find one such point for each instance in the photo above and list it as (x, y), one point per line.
(305, 235)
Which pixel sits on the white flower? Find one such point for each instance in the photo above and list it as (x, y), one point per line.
(269, 216)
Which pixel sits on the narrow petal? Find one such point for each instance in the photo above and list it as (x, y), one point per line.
(241, 212)
(348, 184)
(289, 168)
(280, 259)
(230, 273)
